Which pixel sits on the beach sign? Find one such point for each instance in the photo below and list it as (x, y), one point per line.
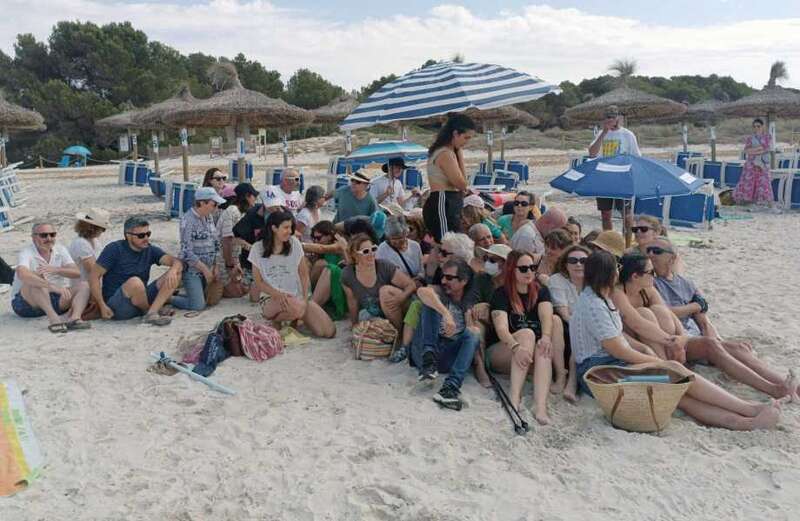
(184, 137)
(123, 144)
(21, 459)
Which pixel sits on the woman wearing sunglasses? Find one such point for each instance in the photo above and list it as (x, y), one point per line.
(521, 214)
(597, 339)
(646, 228)
(565, 286)
(522, 316)
(280, 273)
(325, 253)
(374, 288)
(636, 277)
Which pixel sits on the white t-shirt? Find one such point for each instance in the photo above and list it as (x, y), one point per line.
(29, 257)
(80, 249)
(562, 292)
(412, 255)
(379, 185)
(620, 141)
(307, 218)
(279, 271)
(294, 200)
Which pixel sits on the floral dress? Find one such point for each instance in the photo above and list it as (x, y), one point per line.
(754, 186)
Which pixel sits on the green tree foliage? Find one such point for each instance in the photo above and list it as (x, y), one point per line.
(309, 90)
(85, 71)
(367, 91)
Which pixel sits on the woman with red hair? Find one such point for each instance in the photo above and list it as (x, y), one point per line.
(522, 316)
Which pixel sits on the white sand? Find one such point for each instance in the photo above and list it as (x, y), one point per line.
(314, 434)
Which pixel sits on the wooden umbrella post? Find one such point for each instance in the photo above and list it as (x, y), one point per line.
(285, 149)
(185, 153)
(773, 144)
(135, 143)
(685, 137)
(154, 145)
(3, 158)
(503, 132)
(712, 138)
(489, 143)
(348, 142)
(627, 209)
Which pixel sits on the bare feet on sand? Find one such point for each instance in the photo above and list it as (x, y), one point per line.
(768, 417)
(561, 382)
(542, 417)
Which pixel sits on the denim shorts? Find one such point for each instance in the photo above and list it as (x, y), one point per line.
(123, 307)
(23, 309)
(594, 361)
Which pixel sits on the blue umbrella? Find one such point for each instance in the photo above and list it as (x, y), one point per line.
(627, 177)
(77, 150)
(443, 88)
(383, 151)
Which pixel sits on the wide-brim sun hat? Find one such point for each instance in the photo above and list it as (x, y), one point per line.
(399, 161)
(96, 217)
(498, 250)
(365, 175)
(611, 241)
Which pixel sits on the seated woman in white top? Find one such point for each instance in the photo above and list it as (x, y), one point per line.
(565, 285)
(86, 247)
(280, 273)
(309, 215)
(596, 337)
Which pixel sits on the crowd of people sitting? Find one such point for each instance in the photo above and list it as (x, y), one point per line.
(516, 290)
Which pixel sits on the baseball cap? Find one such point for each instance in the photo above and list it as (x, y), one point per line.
(271, 197)
(207, 193)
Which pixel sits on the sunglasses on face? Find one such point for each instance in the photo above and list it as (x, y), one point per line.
(143, 235)
(576, 260)
(294, 179)
(640, 229)
(450, 277)
(317, 238)
(367, 251)
(530, 267)
(657, 250)
(220, 178)
(522, 203)
(650, 272)
(445, 253)
(45, 235)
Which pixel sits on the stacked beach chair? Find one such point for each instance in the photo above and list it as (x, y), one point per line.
(12, 198)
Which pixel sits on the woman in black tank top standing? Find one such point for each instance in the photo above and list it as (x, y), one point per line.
(447, 176)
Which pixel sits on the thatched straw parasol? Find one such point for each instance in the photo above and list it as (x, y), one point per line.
(335, 111)
(14, 117)
(122, 121)
(153, 118)
(238, 108)
(771, 101)
(634, 104)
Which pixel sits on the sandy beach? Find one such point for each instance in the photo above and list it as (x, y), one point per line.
(316, 435)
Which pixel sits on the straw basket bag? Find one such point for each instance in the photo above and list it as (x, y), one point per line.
(373, 339)
(638, 406)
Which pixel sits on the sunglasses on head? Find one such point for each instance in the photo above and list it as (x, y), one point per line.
(142, 235)
(576, 260)
(522, 203)
(450, 277)
(657, 250)
(530, 267)
(220, 178)
(367, 251)
(45, 235)
(640, 229)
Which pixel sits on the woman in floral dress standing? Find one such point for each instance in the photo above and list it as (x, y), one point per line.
(754, 185)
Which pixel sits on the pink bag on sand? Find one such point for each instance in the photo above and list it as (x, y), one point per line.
(259, 341)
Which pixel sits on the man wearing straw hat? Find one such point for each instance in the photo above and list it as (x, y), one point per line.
(614, 139)
(40, 282)
(355, 199)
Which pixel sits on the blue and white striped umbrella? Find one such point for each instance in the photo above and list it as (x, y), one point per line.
(446, 87)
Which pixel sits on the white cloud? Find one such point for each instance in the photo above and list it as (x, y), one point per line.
(555, 44)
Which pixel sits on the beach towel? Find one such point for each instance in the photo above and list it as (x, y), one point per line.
(21, 458)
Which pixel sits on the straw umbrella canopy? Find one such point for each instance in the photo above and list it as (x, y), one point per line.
(122, 121)
(14, 117)
(153, 118)
(238, 108)
(335, 111)
(507, 115)
(635, 105)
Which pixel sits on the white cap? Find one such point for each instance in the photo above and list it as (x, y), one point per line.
(207, 193)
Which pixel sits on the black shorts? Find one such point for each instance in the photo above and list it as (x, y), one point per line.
(442, 213)
(605, 204)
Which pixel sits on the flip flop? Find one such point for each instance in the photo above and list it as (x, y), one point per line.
(78, 324)
(155, 320)
(57, 328)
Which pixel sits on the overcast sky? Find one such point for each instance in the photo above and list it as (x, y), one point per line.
(351, 43)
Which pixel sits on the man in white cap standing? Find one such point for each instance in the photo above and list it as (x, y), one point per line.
(200, 247)
(614, 139)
